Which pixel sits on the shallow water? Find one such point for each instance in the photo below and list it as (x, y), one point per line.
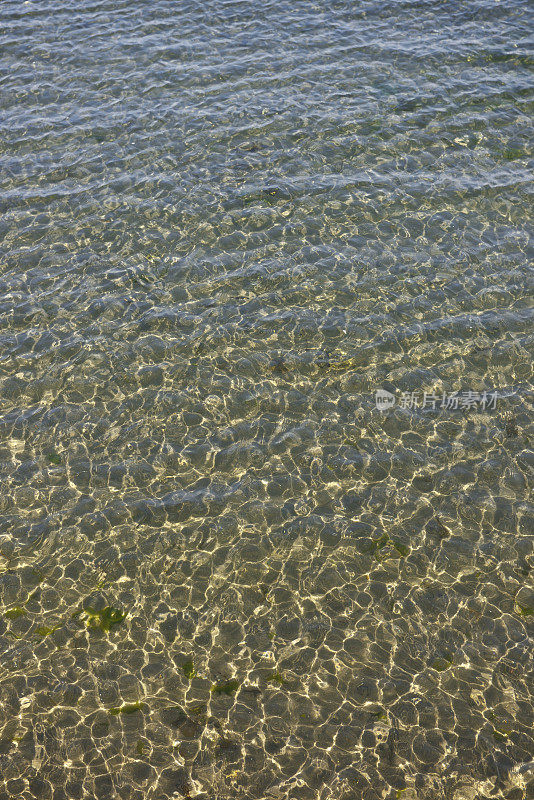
(224, 572)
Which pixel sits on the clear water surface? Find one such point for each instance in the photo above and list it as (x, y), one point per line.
(224, 573)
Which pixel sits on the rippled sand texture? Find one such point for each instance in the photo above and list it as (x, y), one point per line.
(223, 572)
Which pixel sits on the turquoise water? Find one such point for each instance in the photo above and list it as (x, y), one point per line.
(225, 572)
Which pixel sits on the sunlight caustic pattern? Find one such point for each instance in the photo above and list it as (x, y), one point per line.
(224, 572)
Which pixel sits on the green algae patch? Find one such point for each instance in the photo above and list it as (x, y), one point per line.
(109, 617)
(524, 611)
(441, 664)
(277, 678)
(379, 544)
(127, 708)
(54, 458)
(225, 687)
(502, 728)
(378, 715)
(15, 613)
(46, 630)
(105, 619)
(512, 153)
(189, 670)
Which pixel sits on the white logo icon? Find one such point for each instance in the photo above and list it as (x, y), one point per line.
(384, 399)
